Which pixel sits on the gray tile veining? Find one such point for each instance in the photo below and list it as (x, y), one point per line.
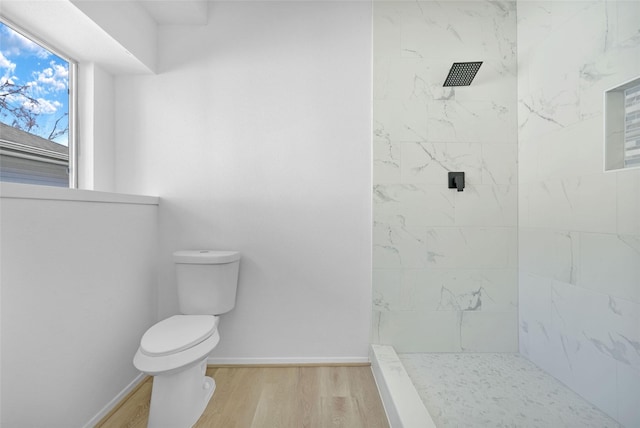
(497, 390)
(444, 261)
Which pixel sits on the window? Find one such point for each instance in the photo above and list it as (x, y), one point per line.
(622, 126)
(36, 112)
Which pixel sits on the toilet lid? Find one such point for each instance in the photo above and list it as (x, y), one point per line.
(177, 333)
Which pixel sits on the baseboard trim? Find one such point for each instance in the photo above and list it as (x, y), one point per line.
(287, 365)
(291, 362)
(117, 401)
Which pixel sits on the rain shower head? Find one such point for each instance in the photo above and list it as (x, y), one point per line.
(462, 73)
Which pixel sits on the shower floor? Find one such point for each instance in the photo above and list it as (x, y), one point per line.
(497, 390)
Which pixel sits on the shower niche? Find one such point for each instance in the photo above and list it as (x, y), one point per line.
(622, 126)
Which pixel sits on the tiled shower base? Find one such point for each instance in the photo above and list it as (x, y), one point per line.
(476, 390)
(496, 390)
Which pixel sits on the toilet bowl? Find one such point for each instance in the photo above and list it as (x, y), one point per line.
(175, 350)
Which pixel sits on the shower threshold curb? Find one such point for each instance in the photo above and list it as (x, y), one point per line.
(399, 397)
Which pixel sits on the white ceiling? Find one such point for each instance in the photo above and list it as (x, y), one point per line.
(182, 12)
(62, 24)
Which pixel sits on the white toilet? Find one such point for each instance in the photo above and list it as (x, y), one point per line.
(175, 350)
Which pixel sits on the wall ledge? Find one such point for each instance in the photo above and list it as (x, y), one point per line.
(28, 191)
(400, 399)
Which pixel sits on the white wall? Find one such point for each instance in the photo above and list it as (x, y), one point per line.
(256, 133)
(104, 131)
(78, 291)
(445, 277)
(579, 227)
(96, 128)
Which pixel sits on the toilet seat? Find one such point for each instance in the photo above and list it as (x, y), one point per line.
(177, 333)
(165, 360)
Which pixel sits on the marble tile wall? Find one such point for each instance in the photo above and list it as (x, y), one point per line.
(579, 228)
(445, 262)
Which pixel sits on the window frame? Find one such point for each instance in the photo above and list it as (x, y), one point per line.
(73, 97)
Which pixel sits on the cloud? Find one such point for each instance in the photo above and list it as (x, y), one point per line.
(43, 106)
(6, 79)
(54, 78)
(7, 65)
(15, 44)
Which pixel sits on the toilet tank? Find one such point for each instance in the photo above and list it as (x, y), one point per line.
(207, 281)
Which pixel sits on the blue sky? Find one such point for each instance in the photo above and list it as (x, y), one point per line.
(23, 62)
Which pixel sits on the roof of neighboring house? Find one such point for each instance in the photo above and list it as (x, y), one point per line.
(17, 140)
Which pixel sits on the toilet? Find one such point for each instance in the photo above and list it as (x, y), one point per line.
(175, 350)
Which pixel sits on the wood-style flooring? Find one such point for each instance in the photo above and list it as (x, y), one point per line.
(275, 397)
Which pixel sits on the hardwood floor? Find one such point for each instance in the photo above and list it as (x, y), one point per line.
(275, 397)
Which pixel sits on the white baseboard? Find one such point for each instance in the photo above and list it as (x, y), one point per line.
(287, 361)
(115, 401)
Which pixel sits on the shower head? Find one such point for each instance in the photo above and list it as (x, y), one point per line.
(462, 73)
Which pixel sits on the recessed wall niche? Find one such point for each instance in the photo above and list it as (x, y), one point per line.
(622, 126)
